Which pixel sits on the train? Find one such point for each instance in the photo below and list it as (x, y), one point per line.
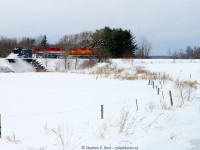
(54, 52)
(48, 52)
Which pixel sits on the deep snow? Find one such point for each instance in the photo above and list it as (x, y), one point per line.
(40, 109)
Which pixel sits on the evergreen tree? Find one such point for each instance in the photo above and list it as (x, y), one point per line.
(120, 43)
(44, 42)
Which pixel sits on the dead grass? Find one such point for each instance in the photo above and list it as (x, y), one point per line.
(191, 84)
(13, 139)
(136, 73)
(129, 77)
(152, 106)
(65, 139)
(87, 64)
(141, 70)
(165, 106)
(121, 74)
(165, 77)
(185, 90)
(101, 132)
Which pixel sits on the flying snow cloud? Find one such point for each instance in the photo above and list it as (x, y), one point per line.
(171, 24)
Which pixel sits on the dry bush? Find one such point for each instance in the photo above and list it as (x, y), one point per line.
(145, 74)
(151, 107)
(63, 139)
(130, 77)
(87, 64)
(119, 71)
(117, 76)
(128, 124)
(101, 132)
(185, 89)
(125, 116)
(165, 77)
(12, 139)
(141, 70)
(108, 70)
(56, 132)
(191, 84)
(153, 122)
(141, 73)
(164, 106)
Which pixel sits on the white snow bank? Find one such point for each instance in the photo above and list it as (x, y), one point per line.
(5, 67)
(22, 66)
(12, 56)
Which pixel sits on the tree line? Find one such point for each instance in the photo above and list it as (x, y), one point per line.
(112, 43)
(7, 44)
(188, 53)
(109, 42)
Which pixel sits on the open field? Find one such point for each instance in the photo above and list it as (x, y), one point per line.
(61, 109)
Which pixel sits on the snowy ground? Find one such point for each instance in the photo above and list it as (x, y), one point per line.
(61, 109)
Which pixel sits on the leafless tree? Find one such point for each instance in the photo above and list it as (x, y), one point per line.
(76, 40)
(144, 48)
(38, 40)
(6, 45)
(97, 43)
(188, 53)
(26, 42)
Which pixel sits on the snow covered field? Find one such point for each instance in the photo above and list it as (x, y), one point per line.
(62, 109)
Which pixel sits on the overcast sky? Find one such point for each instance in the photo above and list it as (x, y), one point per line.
(167, 24)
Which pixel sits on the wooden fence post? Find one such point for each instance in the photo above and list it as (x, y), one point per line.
(0, 125)
(136, 104)
(158, 91)
(149, 82)
(170, 95)
(162, 94)
(153, 84)
(101, 111)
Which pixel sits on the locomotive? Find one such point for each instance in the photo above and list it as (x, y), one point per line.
(22, 53)
(48, 52)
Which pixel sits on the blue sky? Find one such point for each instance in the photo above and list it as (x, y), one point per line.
(167, 24)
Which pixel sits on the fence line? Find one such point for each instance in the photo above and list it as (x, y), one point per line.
(74, 110)
(60, 112)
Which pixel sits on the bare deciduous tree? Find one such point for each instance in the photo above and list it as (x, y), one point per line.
(26, 42)
(188, 53)
(144, 48)
(6, 45)
(76, 40)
